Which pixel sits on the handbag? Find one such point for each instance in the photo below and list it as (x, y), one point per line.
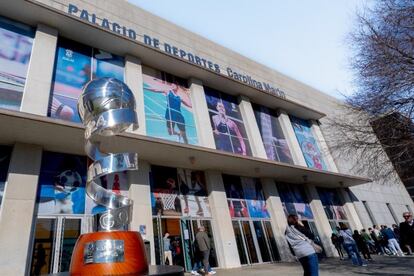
(318, 249)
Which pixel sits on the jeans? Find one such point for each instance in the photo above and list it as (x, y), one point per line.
(310, 265)
(206, 255)
(395, 247)
(352, 249)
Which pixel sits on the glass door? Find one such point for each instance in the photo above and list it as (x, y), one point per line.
(271, 241)
(255, 241)
(54, 240)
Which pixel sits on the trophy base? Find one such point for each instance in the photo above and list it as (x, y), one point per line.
(109, 253)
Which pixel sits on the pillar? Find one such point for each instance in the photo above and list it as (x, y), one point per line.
(224, 239)
(252, 129)
(278, 217)
(17, 213)
(140, 193)
(40, 72)
(133, 78)
(202, 117)
(290, 136)
(350, 210)
(321, 220)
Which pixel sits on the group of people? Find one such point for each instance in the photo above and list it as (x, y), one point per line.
(377, 240)
(380, 240)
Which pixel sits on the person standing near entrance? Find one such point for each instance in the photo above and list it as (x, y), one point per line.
(407, 232)
(204, 245)
(167, 249)
(299, 239)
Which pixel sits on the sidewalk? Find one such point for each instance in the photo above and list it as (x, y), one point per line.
(331, 267)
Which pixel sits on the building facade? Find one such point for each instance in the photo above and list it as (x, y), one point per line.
(223, 142)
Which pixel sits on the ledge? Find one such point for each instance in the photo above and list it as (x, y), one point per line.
(67, 137)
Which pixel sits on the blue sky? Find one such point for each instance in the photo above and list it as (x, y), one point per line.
(305, 40)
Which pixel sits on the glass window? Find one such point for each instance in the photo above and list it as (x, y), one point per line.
(274, 141)
(5, 154)
(308, 144)
(179, 192)
(76, 64)
(15, 50)
(168, 107)
(226, 121)
(245, 197)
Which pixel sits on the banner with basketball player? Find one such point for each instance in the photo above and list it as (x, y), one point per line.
(245, 197)
(168, 107)
(179, 193)
(62, 182)
(308, 144)
(76, 64)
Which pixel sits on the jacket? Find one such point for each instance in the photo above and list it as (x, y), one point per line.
(203, 241)
(299, 242)
(407, 233)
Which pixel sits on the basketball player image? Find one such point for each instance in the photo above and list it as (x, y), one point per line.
(175, 96)
(224, 128)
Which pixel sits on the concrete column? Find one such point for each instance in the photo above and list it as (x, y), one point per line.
(133, 78)
(350, 210)
(290, 136)
(321, 220)
(317, 133)
(278, 218)
(17, 212)
(40, 72)
(252, 129)
(224, 239)
(140, 193)
(201, 116)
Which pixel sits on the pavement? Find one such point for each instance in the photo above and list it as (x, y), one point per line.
(380, 266)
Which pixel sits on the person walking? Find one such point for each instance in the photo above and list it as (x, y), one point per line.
(204, 245)
(337, 242)
(351, 245)
(300, 241)
(375, 238)
(392, 241)
(368, 241)
(407, 232)
(362, 246)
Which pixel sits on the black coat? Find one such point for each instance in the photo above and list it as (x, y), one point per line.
(407, 234)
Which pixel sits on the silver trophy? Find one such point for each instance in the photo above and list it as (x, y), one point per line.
(107, 108)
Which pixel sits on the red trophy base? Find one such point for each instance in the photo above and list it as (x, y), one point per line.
(109, 253)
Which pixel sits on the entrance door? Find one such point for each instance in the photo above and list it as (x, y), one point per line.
(168, 249)
(255, 241)
(55, 238)
(182, 234)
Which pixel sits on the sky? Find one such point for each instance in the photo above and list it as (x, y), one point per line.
(303, 39)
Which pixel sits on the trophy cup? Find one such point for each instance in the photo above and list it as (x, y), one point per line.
(107, 108)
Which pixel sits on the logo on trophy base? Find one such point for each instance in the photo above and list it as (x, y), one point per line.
(107, 108)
